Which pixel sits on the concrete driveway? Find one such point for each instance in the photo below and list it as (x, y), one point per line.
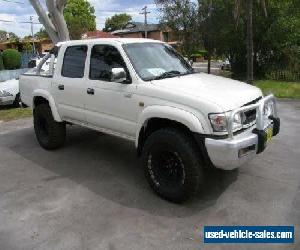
(92, 194)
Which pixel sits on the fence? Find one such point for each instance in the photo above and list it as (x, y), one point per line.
(11, 74)
(284, 75)
(25, 57)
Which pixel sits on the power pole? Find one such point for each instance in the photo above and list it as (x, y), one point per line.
(145, 13)
(31, 24)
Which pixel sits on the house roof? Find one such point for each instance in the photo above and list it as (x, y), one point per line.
(134, 27)
(97, 34)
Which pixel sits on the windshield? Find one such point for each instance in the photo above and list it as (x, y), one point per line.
(154, 61)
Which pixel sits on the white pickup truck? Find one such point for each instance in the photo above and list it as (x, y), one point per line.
(143, 91)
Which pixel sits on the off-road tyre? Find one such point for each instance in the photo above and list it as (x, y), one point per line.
(180, 170)
(49, 133)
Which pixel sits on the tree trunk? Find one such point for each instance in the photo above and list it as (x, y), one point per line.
(55, 26)
(208, 61)
(249, 42)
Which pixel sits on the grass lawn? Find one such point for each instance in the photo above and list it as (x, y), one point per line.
(280, 89)
(9, 114)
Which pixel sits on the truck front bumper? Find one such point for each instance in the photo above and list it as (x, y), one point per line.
(236, 150)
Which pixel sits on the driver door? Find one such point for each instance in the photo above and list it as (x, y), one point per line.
(110, 105)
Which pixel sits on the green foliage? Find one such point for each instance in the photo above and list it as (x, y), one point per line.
(42, 33)
(181, 17)
(116, 22)
(1, 62)
(3, 35)
(11, 59)
(276, 37)
(199, 53)
(27, 47)
(279, 88)
(80, 17)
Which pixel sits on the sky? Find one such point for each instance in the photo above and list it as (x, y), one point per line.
(17, 12)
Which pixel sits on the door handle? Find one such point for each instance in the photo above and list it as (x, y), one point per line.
(90, 91)
(61, 86)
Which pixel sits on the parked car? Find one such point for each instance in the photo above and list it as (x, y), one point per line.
(226, 65)
(34, 62)
(9, 93)
(144, 91)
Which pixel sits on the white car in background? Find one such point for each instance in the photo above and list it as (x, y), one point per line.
(10, 93)
(36, 60)
(226, 65)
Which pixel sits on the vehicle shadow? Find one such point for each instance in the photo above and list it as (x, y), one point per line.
(108, 167)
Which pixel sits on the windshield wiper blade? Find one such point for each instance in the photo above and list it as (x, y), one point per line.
(167, 74)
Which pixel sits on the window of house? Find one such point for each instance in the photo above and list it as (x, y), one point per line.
(74, 61)
(103, 59)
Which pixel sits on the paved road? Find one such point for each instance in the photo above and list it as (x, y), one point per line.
(92, 194)
(215, 67)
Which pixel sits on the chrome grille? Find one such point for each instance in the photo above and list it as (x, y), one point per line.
(249, 117)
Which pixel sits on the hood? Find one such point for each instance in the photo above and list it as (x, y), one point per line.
(227, 93)
(11, 86)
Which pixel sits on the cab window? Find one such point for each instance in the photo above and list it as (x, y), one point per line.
(74, 61)
(103, 59)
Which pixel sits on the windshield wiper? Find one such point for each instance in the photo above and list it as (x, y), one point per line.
(167, 74)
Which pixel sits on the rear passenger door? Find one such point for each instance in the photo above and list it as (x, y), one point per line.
(69, 87)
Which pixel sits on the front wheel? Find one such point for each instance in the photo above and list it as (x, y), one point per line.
(172, 164)
(49, 133)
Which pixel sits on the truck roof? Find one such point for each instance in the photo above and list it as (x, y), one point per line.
(114, 40)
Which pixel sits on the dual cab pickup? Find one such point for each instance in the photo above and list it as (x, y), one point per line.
(143, 90)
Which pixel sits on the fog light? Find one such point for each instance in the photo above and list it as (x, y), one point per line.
(245, 151)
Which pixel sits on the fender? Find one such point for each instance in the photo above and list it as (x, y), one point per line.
(45, 94)
(166, 112)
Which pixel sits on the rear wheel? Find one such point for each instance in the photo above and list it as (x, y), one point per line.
(172, 164)
(49, 133)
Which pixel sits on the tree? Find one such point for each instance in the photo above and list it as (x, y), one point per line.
(276, 38)
(248, 6)
(181, 17)
(3, 35)
(207, 28)
(42, 33)
(54, 21)
(116, 22)
(80, 17)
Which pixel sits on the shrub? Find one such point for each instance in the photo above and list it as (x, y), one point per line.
(11, 59)
(1, 62)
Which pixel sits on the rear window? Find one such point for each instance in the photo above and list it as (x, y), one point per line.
(74, 61)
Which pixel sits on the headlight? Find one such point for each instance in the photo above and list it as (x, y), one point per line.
(268, 109)
(238, 121)
(4, 93)
(219, 121)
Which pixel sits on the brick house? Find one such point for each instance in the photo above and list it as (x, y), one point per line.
(154, 31)
(41, 45)
(97, 34)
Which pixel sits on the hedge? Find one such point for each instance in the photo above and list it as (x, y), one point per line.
(11, 59)
(1, 62)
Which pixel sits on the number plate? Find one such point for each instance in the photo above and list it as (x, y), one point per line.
(269, 132)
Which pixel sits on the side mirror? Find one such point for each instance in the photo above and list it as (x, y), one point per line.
(118, 75)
